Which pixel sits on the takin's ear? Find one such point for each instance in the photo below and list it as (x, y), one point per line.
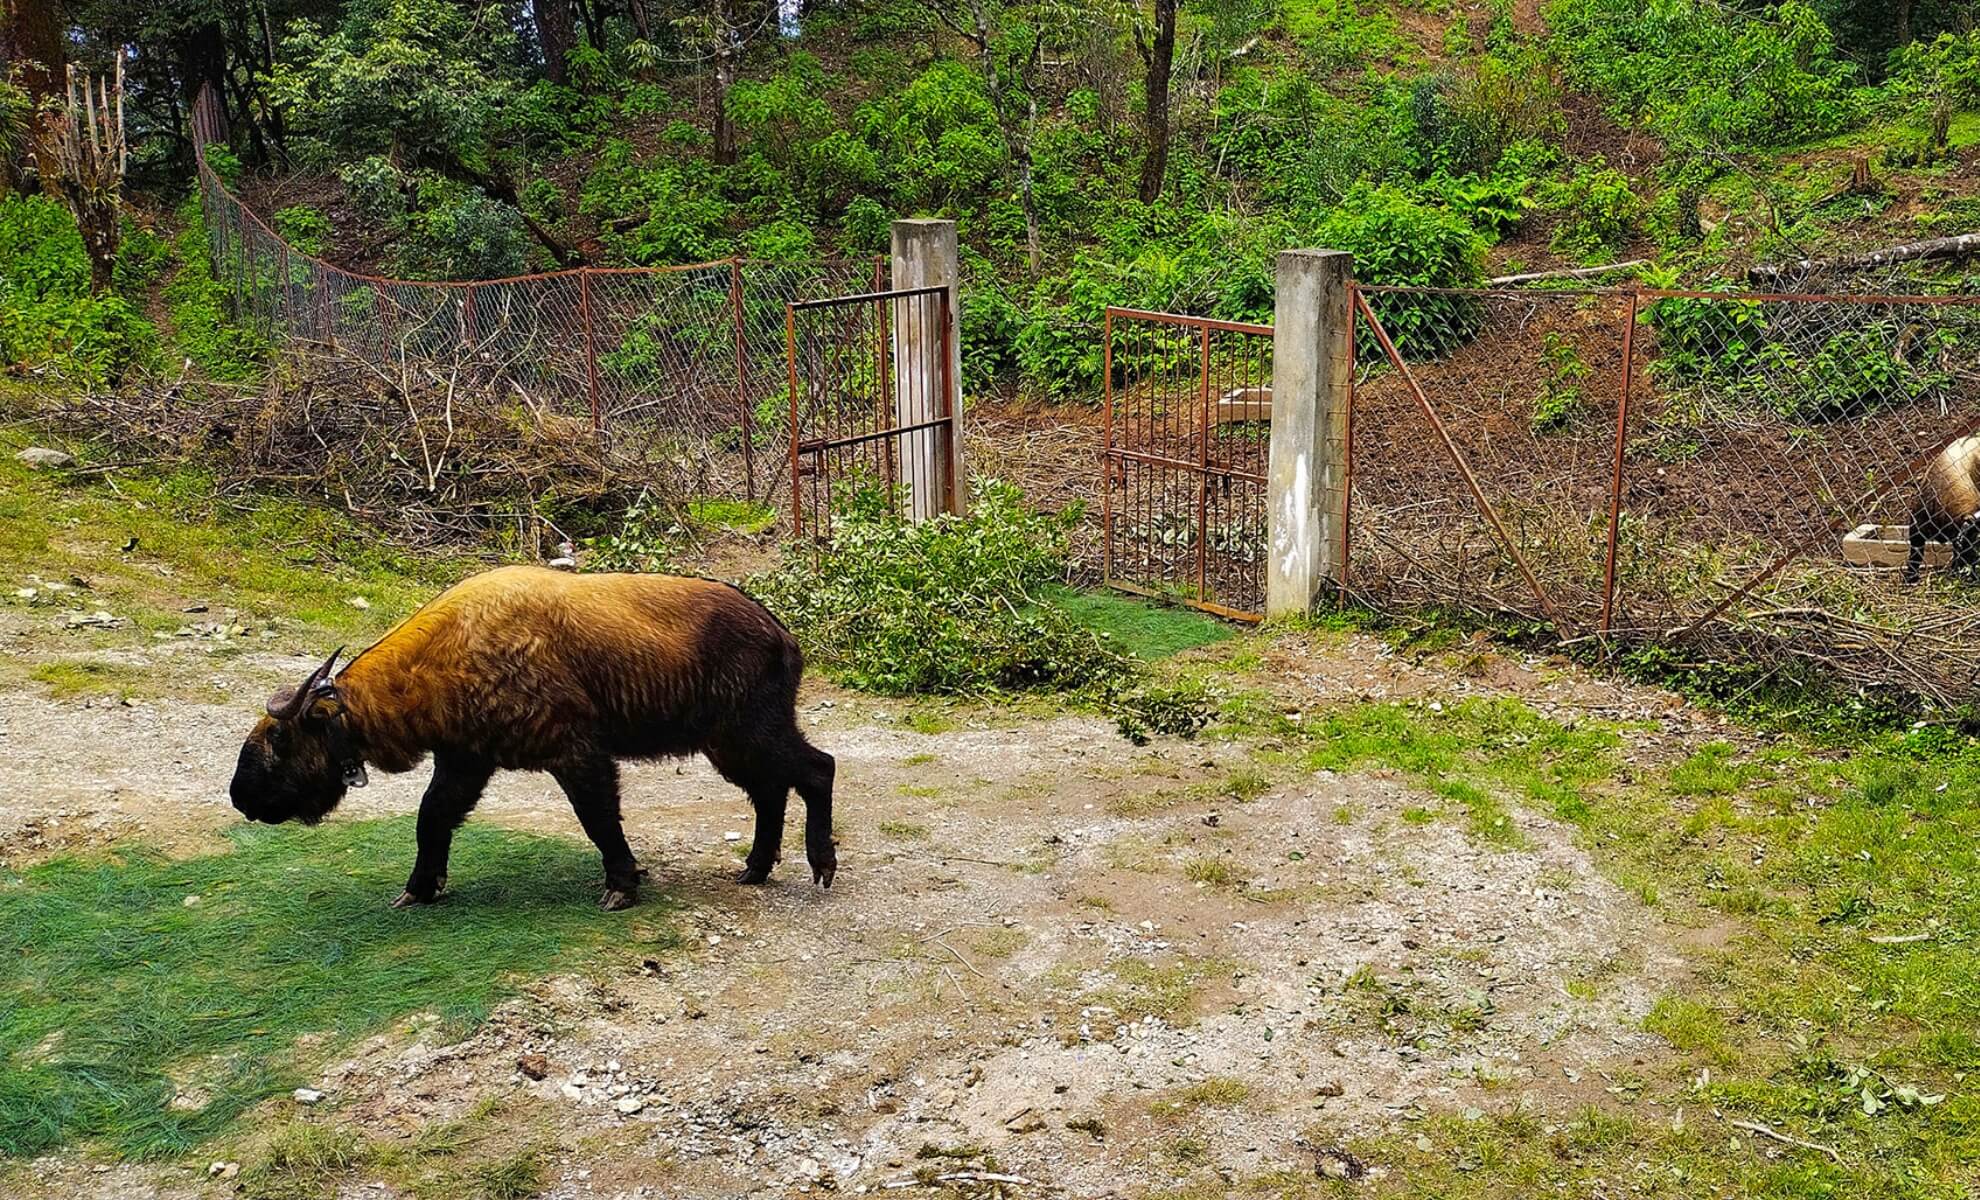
(291, 703)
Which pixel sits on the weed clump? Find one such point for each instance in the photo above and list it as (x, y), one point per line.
(952, 606)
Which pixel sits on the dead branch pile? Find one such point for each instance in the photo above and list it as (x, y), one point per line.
(431, 453)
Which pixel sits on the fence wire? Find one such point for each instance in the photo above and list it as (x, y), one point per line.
(1732, 476)
(681, 367)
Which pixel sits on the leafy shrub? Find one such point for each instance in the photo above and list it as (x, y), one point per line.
(686, 215)
(47, 315)
(783, 240)
(947, 606)
(1399, 241)
(197, 304)
(647, 539)
(1494, 206)
(305, 228)
(458, 233)
(1696, 71)
(1560, 393)
(865, 226)
(1599, 210)
(376, 188)
(142, 256)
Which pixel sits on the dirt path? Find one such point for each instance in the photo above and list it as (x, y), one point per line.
(1082, 962)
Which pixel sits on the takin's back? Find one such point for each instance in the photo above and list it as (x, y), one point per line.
(648, 662)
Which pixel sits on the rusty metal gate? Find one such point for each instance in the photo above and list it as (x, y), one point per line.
(871, 387)
(1189, 419)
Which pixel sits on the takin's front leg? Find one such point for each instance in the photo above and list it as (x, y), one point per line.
(593, 787)
(451, 795)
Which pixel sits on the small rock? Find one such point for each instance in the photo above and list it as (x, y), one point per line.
(1025, 1120)
(1336, 1163)
(533, 1065)
(562, 562)
(631, 1104)
(732, 836)
(191, 901)
(223, 1170)
(359, 603)
(572, 1091)
(38, 457)
(307, 1096)
(1331, 1088)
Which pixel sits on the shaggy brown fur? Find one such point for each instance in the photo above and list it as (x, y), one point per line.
(522, 668)
(1948, 507)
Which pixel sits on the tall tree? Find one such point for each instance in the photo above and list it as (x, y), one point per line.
(1158, 56)
(556, 33)
(1009, 48)
(728, 57)
(31, 44)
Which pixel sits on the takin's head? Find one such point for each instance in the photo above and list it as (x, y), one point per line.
(293, 766)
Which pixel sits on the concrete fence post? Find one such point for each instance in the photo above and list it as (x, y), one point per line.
(1312, 379)
(928, 368)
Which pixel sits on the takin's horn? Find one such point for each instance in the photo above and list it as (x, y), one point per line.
(287, 704)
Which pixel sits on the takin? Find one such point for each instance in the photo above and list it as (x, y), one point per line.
(522, 668)
(1948, 507)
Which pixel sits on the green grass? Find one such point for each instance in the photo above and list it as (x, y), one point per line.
(267, 556)
(1812, 861)
(1143, 628)
(72, 679)
(743, 516)
(117, 991)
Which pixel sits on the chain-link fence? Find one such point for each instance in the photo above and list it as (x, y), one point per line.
(682, 367)
(1734, 476)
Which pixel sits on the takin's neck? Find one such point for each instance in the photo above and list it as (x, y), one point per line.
(382, 712)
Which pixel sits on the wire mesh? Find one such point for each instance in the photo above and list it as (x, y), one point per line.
(1188, 433)
(1737, 474)
(869, 392)
(681, 367)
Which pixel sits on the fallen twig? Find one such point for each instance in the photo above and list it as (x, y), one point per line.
(1897, 939)
(1777, 1135)
(965, 1177)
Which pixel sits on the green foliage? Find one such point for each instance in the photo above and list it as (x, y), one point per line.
(1697, 72)
(129, 979)
(952, 606)
(199, 307)
(458, 233)
(1599, 211)
(1560, 393)
(304, 228)
(647, 540)
(938, 137)
(866, 226)
(142, 256)
(686, 217)
(48, 318)
(1397, 240)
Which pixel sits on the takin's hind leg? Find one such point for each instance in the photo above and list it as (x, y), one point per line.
(768, 774)
(592, 784)
(816, 770)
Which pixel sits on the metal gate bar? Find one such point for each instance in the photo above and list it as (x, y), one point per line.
(853, 408)
(1184, 466)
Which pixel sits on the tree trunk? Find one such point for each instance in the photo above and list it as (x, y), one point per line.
(726, 52)
(556, 32)
(31, 42)
(1159, 60)
(1903, 23)
(637, 10)
(594, 27)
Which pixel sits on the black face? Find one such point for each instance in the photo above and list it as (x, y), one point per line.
(285, 773)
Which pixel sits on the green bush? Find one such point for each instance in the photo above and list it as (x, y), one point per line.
(949, 606)
(1399, 241)
(48, 318)
(456, 232)
(1696, 71)
(1599, 211)
(304, 228)
(197, 304)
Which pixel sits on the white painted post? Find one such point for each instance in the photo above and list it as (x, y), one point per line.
(931, 471)
(1311, 383)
